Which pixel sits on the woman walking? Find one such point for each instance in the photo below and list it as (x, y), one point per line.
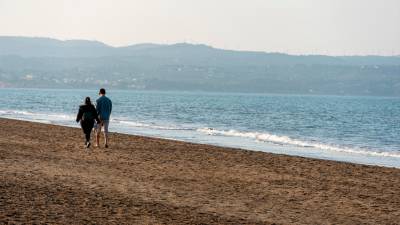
(87, 115)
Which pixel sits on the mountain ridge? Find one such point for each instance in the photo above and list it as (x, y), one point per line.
(20, 41)
(51, 63)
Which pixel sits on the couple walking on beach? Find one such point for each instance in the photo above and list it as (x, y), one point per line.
(89, 114)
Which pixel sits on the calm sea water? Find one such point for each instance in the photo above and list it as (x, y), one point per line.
(356, 129)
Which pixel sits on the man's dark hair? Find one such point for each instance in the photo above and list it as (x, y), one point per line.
(102, 91)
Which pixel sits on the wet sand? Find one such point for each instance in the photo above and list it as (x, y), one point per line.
(46, 176)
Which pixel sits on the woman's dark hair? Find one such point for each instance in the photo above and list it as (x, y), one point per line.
(87, 101)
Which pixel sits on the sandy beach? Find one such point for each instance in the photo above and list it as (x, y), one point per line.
(47, 176)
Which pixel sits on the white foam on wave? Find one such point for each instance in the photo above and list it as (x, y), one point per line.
(149, 126)
(36, 116)
(15, 112)
(282, 140)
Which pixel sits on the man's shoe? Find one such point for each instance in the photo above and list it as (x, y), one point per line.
(105, 146)
(87, 144)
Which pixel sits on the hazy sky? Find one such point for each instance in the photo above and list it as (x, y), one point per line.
(334, 27)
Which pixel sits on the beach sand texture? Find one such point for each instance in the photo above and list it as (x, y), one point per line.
(46, 176)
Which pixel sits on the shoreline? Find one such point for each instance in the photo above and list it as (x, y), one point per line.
(47, 176)
(336, 154)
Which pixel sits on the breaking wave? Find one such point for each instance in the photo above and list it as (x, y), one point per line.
(37, 117)
(149, 126)
(285, 140)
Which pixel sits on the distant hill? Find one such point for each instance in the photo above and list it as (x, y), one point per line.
(46, 47)
(51, 63)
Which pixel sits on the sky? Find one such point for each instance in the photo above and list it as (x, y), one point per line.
(329, 27)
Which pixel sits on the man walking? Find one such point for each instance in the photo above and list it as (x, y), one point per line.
(103, 107)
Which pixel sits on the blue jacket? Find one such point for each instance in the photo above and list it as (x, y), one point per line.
(104, 107)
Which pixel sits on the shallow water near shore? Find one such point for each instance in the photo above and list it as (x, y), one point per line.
(354, 129)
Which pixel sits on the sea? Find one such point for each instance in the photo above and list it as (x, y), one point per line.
(357, 129)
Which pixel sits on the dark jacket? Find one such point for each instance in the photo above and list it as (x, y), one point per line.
(87, 108)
